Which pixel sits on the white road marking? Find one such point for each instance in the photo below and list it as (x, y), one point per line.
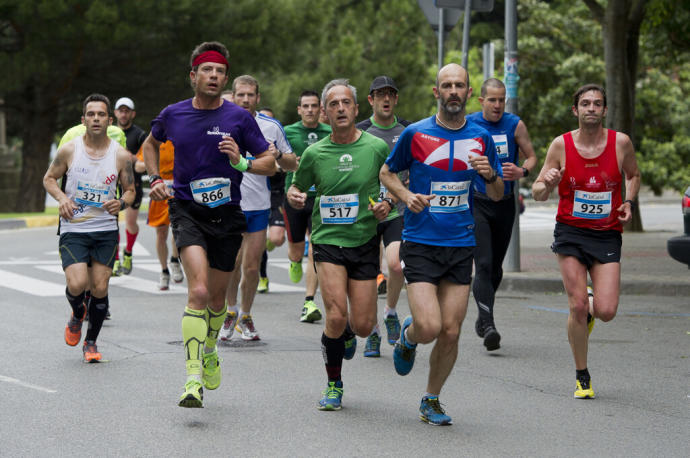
(31, 285)
(26, 385)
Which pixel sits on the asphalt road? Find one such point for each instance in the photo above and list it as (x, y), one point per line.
(514, 402)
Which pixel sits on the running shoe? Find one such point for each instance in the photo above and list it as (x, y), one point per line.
(404, 353)
(91, 354)
(176, 270)
(381, 284)
(73, 330)
(246, 326)
(332, 396)
(350, 347)
(228, 328)
(263, 285)
(126, 263)
(392, 328)
(211, 374)
(430, 411)
(492, 339)
(310, 312)
(295, 271)
(270, 246)
(164, 282)
(584, 390)
(372, 349)
(117, 269)
(479, 327)
(590, 318)
(193, 395)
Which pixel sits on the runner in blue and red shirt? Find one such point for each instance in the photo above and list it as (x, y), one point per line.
(211, 138)
(446, 155)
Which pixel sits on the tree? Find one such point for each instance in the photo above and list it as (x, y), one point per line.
(621, 21)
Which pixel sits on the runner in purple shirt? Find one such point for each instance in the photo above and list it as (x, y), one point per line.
(211, 138)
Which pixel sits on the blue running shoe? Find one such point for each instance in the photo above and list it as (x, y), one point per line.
(332, 396)
(403, 355)
(430, 411)
(350, 347)
(392, 328)
(373, 347)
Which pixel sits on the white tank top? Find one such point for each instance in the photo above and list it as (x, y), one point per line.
(255, 189)
(91, 182)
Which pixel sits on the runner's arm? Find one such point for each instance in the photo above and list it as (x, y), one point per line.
(264, 164)
(151, 151)
(632, 175)
(58, 169)
(551, 172)
(526, 149)
(126, 177)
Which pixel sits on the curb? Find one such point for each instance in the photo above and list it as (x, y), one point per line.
(539, 283)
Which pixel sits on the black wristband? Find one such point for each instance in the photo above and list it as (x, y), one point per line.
(525, 172)
(279, 156)
(632, 204)
(389, 201)
(493, 178)
(122, 204)
(153, 178)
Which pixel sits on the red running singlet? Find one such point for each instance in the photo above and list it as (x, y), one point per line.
(590, 189)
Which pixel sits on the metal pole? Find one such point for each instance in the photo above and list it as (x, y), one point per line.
(441, 33)
(466, 32)
(512, 260)
(488, 60)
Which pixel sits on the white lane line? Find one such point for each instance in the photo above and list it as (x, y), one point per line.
(31, 285)
(25, 385)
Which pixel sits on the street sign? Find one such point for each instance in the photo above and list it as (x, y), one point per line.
(450, 17)
(482, 6)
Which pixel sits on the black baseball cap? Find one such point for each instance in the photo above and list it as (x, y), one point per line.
(381, 82)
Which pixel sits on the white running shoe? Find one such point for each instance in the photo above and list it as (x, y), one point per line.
(176, 270)
(228, 328)
(164, 282)
(246, 327)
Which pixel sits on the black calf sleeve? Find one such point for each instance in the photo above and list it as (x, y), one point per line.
(76, 302)
(98, 308)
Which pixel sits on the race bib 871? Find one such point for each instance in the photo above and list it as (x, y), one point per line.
(451, 196)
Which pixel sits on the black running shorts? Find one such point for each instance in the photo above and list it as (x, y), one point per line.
(76, 247)
(361, 263)
(587, 245)
(217, 230)
(276, 217)
(431, 264)
(390, 231)
(298, 221)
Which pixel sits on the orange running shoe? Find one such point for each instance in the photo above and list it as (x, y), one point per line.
(73, 330)
(381, 284)
(91, 354)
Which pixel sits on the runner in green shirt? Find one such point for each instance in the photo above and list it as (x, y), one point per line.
(302, 134)
(344, 168)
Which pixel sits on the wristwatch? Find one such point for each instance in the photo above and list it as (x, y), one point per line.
(389, 201)
(525, 172)
(249, 164)
(493, 178)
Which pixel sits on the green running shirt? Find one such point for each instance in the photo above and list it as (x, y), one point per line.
(343, 173)
(300, 137)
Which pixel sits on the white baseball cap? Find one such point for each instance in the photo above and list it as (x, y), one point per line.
(126, 101)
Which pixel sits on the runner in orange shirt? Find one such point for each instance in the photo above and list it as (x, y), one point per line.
(158, 219)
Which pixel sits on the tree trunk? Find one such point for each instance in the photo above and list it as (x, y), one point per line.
(620, 23)
(39, 118)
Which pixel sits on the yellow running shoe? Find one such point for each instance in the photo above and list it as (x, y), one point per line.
(584, 391)
(193, 395)
(295, 271)
(211, 374)
(263, 285)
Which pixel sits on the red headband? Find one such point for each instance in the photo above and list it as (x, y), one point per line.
(210, 56)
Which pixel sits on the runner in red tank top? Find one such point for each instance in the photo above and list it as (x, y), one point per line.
(587, 165)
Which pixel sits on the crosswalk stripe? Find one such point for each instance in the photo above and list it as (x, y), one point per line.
(31, 285)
